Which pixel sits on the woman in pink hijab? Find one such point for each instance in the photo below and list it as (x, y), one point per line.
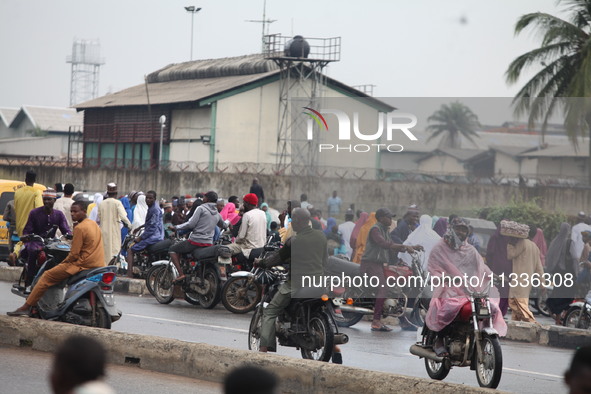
(540, 242)
(229, 213)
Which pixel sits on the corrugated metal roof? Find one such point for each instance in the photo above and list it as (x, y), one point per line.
(203, 79)
(7, 115)
(179, 91)
(559, 151)
(510, 150)
(213, 68)
(49, 118)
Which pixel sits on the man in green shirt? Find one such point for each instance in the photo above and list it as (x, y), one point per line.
(308, 253)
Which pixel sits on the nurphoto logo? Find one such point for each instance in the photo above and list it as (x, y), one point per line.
(390, 122)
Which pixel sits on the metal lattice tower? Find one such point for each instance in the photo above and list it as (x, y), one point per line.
(86, 61)
(300, 85)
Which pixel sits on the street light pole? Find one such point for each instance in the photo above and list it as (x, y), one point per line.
(193, 10)
(162, 124)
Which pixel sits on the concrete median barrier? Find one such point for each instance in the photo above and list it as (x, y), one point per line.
(208, 362)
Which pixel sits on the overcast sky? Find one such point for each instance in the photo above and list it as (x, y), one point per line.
(416, 48)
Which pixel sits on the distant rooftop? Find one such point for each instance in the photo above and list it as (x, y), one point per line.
(50, 119)
(7, 115)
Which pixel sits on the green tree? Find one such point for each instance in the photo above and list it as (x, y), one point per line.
(453, 121)
(564, 82)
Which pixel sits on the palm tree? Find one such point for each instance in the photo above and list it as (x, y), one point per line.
(564, 82)
(453, 120)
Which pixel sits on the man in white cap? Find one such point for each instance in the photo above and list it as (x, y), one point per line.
(41, 222)
(110, 213)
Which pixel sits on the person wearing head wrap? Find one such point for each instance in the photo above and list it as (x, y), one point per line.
(98, 198)
(363, 216)
(361, 240)
(577, 244)
(540, 242)
(423, 236)
(346, 229)
(265, 208)
(253, 230)
(525, 256)
(110, 215)
(440, 226)
(41, 222)
(559, 262)
(452, 256)
(140, 212)
(496, 258)
(229, 213)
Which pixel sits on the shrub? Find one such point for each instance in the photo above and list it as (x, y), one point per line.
(527, 213)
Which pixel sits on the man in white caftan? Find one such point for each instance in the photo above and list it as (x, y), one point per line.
(110, 213)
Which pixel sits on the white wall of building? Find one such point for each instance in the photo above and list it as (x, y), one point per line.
(442, 164)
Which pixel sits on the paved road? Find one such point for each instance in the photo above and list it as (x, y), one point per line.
(26, 371)
(527, 368)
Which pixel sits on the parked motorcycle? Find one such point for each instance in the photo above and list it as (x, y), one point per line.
(307, 323)
(142, 260)
(86, 298)
(241, 293)
(471, 340)
(578, 315)
(206, 270)
(356, 301)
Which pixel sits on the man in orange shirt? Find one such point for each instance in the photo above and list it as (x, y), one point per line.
(86, 252)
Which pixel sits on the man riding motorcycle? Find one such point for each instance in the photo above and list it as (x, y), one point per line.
(454, 257)
(308, 251)
(153, 230)
(41, 221)
(87, 252)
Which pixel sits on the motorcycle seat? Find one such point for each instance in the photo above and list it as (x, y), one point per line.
(160, 246)
(84, 273)
(210, 252)
(337, 266)
(80, 275)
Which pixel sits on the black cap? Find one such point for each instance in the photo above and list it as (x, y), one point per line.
(382, 212)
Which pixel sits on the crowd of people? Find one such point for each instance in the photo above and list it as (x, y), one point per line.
(372, 239)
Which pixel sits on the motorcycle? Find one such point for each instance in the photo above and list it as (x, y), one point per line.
(241, 293)
(85, 299)
(471, 339)
(307, 324)
(356, 301)
(142, 260)
(578, 315)
(205, 268)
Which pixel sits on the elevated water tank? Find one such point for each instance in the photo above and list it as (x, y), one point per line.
(297, 47)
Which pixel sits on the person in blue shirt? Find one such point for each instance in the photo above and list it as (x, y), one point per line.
(153, 230)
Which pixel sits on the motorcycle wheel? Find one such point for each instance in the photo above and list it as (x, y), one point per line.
(254, 330)
(241, 295)
(322, 329)
(436, 370)
(574, 318)
(151, 277)
(489, 364)
(213, 295)
(192, 298)
(349, 319)
(164, 286)
(102, 318)
(540, 303)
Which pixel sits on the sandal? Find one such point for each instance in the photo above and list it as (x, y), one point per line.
(179, 280)
(383, 328)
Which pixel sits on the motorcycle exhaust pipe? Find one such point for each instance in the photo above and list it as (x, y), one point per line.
(355, 309)
(341, 339)
(425, 353)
